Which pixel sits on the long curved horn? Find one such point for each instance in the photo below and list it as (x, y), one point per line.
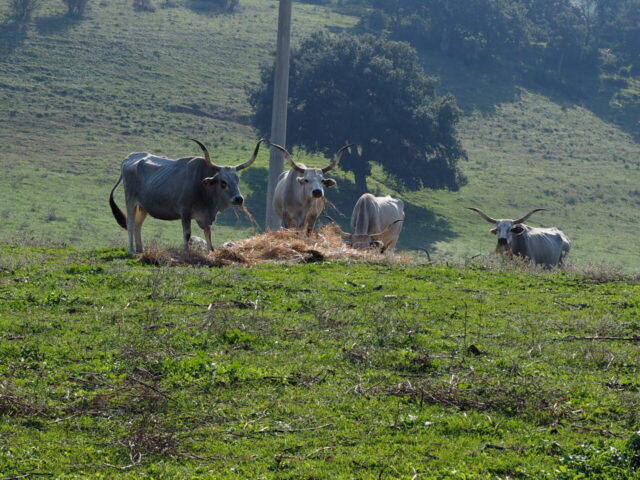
(484, 215)
(522, 219)
(207, 158)
(378, 236)
(294, 165)
(253, 157)
(336, 158)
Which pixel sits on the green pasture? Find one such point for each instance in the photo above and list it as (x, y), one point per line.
(114, 369)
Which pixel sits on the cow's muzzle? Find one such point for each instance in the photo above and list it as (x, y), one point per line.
(502, 242)
(317, 193)
(237, 200)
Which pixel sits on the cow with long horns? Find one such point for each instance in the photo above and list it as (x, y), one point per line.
(299, 196)
(542, 246)
(187, 188)
(376, 222)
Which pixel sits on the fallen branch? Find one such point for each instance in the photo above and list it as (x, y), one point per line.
(136, 460)
(277, 430)
(568, 338)
(26, 475)
(150, 387)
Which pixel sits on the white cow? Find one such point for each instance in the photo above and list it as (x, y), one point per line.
(299, 197)
(376, 221)
(542, 246)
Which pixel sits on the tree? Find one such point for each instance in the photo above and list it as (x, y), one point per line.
(75, 8)
(227, 6)
(22, 10)
(372, 92)
(473, 30)
(618, 30)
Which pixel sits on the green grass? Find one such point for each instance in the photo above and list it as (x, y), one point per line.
(110, 368)
(77, 97)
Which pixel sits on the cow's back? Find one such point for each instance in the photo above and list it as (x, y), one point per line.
(545, 246)
(164, 187)
(391, 209)
(365, 218)
(372, 215)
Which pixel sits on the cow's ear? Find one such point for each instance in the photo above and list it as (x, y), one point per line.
(517, 229)
(328, 182)
(494, 231)
(209, 181)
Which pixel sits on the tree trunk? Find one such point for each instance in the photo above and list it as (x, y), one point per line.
(360, 177)
(446, 28)
(559, 69)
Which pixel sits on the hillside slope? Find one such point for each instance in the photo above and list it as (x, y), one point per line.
(75, 98)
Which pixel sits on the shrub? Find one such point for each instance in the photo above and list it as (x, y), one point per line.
(22, 10)
(75, 8)
(144, 5)
(218, 5)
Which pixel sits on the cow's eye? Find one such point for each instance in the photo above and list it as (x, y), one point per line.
(306, 180)
(223, 184)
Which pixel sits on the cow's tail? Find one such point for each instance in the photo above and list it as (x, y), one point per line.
(120, 217)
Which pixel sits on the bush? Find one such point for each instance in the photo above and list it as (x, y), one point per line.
(22, 10)
(75, 8)
(144, 5)
(217, 5)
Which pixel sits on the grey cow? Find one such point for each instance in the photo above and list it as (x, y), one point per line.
(542, 246)
(376, 222)
(187, 188)
(299, 198)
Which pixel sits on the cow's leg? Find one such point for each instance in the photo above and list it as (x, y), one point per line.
(186, 232)
(139, 215)
(131, 222)
(207, 237)
(311, 222)
(287, 221)
(300, 222)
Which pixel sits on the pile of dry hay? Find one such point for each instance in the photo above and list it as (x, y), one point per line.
(283, 246)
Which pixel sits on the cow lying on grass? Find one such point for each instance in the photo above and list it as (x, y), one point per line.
(542, 246)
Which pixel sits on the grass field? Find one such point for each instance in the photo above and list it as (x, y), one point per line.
(76, 97)
(112, 368)
(115, 369)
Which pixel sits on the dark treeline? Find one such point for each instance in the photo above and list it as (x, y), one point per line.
(541, 36)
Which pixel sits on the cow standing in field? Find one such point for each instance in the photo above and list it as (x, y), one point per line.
(187, 188)
(376, 221)
(299, 197)
(542, 246)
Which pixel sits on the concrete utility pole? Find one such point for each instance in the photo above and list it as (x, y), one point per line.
(279, 112)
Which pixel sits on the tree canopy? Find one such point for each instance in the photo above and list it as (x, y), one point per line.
(373, 92)
(539, 34)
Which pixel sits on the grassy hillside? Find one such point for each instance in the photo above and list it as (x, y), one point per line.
(75, 98)
(110, 368)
